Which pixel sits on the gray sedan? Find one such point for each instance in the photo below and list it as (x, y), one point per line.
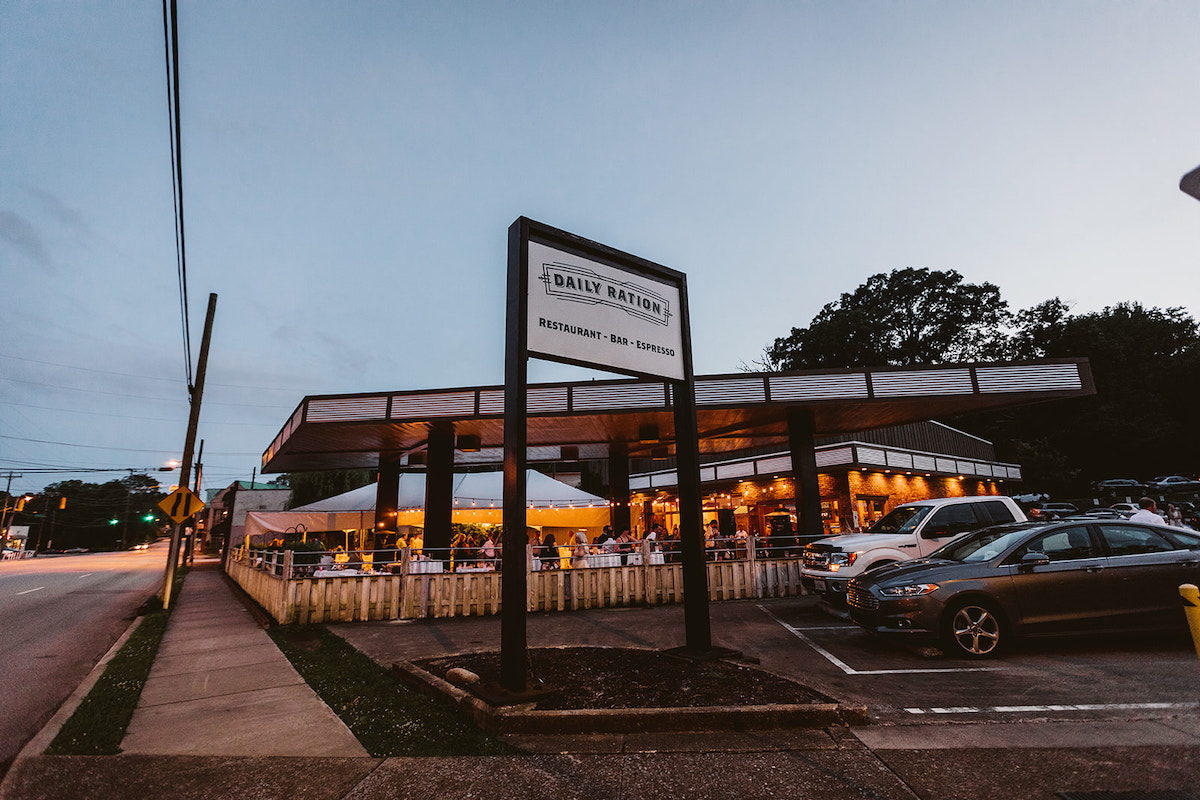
(1032, 579)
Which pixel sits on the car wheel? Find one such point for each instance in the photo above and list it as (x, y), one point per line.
(974, 629)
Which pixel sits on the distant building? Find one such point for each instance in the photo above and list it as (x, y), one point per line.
(225, 511)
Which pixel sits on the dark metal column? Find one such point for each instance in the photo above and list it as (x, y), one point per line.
(618, 483)
(439, 490)
(801, 429)
(387, 493)
(696, 623)
(514, 593)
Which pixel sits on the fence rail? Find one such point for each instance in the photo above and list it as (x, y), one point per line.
(388, 585)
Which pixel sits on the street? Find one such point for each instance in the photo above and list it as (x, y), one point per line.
(61, 614)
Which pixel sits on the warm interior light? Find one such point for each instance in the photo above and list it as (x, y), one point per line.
(648, 434)
(469, 442)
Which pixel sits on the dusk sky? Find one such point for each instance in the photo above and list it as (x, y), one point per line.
(350, 170)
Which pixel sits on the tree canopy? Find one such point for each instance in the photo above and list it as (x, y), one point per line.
(1141, 422)
(1145, 362)
(95, 516)
(908, 316)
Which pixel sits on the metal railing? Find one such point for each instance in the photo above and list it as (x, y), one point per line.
(489, 558)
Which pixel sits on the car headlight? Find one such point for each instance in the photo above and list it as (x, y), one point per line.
(911, 590)
(839, 560)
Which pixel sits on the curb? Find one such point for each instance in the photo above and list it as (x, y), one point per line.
(526, 719)
(38, 744)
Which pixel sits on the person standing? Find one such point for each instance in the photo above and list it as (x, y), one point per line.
(549, 553)
(1148, 512)
(579, 553)
(624, 546)
(740, 541)
(606, 540)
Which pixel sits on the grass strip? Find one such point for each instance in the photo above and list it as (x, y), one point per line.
(388, 718)
(99, 724)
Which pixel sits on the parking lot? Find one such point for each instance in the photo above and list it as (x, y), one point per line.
(1090, 678)
(1076, 678)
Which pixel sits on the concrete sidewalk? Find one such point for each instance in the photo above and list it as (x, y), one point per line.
(225, 715)
(220, 687)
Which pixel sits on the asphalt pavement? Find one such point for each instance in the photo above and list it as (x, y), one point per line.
(208, 686)
(60, 613)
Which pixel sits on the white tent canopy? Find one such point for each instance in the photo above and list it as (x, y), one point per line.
(478, 498)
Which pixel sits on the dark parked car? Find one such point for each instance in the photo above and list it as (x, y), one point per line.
(1103, 513)
(1032, 579)
(1120, 486)
(1173, 483)
(1051, 510)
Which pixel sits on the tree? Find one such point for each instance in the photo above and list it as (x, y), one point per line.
(908, 316)
(1141, 421)
(309, 487)
(95, 515)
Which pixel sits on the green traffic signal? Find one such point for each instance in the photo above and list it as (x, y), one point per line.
(113, 521)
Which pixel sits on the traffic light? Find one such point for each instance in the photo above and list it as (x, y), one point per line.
(148, 518)
(113, 521)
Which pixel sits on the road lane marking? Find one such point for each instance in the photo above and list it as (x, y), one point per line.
(1056, 707)
(27, 591)
(86, 574)
(849, 670)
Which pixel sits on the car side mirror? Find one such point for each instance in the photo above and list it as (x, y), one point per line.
(1031, 560)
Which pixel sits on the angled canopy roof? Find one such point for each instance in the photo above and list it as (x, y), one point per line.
(734, 412)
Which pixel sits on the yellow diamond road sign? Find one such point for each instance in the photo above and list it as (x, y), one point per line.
(181, 504)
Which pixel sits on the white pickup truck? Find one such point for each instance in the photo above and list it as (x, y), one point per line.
(907, 531)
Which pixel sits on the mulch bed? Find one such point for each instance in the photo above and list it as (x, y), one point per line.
(603, 677)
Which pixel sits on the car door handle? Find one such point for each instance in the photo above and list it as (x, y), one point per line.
(1190, 563)
(907, 546)
(1096, 568)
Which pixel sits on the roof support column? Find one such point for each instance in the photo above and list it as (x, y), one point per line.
(439, 490)
(801, 428)
(618, 483)
(387, 491)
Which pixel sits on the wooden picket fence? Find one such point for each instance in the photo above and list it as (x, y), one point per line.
(359, 598)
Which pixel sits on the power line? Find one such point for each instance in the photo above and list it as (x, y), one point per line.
(141, 418)
(119, 449)
(136, 396)
(171, 45)
(149, 377)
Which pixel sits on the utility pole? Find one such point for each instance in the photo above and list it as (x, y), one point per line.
(4, 512)
(190, 557)
(185, 470)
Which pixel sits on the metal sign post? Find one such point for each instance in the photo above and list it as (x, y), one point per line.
(578, 302)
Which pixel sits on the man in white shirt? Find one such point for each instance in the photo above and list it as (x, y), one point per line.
(1147, 512)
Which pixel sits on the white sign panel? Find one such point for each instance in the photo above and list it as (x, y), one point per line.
(596, 314)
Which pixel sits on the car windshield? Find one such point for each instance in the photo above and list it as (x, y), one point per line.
(982, 545)
(901, 520)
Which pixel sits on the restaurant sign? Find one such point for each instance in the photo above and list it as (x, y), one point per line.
(592, 313)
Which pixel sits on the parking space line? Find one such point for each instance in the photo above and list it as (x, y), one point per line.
(1057, 707)
(27, 591)
(849, 670)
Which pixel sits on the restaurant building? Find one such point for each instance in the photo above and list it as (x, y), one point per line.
(861, 477)
(825, 450)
